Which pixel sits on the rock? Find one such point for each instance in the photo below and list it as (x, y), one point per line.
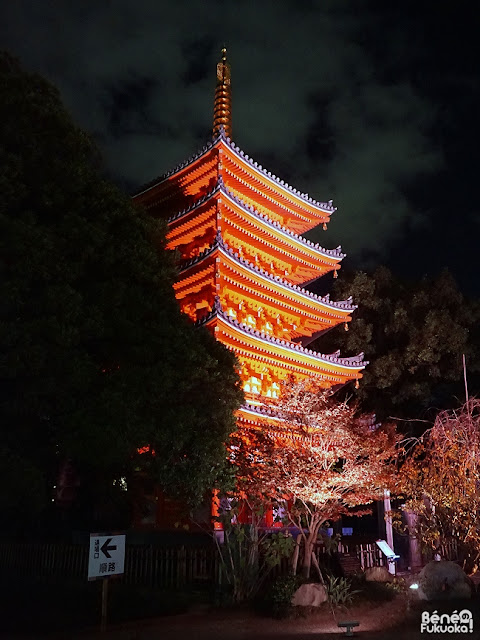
(309, 595)
(443, 580)
(378, 574)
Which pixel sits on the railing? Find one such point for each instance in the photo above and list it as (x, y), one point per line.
(160, 567)
(368, 553)
(448, 551)
(53, 559)
(174, 567)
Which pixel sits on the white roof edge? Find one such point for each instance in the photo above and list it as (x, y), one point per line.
(326, 207)
(289, 347)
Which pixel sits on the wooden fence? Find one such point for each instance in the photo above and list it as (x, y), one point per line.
(368, 553)
(150, 566)
(447, 551)
(171, 567)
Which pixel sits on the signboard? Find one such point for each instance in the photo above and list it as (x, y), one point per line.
(106, 556)
(387, 550)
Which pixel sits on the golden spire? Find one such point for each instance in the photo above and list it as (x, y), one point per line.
(222, 110)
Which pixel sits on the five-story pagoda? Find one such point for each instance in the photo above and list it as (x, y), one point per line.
(243, 263)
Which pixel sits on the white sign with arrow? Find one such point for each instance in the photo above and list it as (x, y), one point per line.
(106, 556)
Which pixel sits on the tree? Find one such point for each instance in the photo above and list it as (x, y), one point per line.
(441, 481)
(413, 334)
(318, 460)
(95, 358)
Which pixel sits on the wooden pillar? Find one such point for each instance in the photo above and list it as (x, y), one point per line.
(388, 527)
(269, 516)
(215, 511)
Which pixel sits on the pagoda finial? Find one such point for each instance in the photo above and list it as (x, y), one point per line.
(222, 110)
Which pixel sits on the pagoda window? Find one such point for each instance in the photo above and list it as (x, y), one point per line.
(268, 328)
(250, 321)
(232, 313)
(255, 385)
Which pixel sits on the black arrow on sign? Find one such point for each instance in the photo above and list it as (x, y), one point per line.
(105, 548)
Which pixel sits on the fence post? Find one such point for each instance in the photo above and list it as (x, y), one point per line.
(181, 567)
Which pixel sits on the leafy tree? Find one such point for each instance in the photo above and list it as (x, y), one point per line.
(441, 480)
(414, 336)
(318, 461)
(95, 358)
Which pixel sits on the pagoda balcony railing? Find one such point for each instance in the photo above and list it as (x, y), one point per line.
(258, 399)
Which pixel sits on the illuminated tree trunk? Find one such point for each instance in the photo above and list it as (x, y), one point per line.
(296, 554)
(415, 553)
(310, 538)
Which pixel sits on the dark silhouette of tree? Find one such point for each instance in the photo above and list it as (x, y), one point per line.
(414, 336)
(95, 358)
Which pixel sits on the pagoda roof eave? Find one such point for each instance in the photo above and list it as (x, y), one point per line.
(178, 168)
(326, 207)
(331, 253)
(258, 411)
(251, 211)
(341, 306)
(351, 364)
(262, 417)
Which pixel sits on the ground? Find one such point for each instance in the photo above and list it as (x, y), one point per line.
(398, 619)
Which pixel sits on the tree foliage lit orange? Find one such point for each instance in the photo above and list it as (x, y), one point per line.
(321, 461)
(441, 479)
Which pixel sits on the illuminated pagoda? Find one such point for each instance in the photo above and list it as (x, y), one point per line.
(243, 262)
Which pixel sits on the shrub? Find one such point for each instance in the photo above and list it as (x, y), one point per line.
(280, 594)
(378, 591)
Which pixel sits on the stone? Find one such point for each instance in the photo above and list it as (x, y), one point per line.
(309, 595)
(378, 574)
(443, 580)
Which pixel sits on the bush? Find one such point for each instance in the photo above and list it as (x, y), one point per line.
(378, 591)
(279, 596)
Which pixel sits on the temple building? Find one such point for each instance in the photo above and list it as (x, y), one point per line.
(244, 264)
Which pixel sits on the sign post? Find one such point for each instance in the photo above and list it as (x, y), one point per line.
(389, 553)
(106, 558)
(103, 622)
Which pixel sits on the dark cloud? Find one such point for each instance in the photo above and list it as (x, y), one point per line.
(198, 53)
(126, 107)
(312, 99)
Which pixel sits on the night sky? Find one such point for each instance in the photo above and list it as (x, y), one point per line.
(373, 104)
